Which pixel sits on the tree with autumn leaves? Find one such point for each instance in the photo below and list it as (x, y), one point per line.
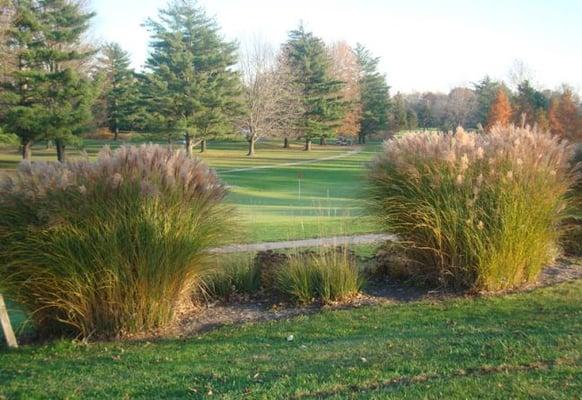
(500, 112)
(345, 67)
(561, 114)
(564, 116)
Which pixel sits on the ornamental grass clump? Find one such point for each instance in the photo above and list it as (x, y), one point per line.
(112, 247)
(325, 275)
(572, 238)
(477, 211)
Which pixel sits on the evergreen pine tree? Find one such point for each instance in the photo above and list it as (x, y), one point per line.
(528, 102)
(20, 100)
(192, 87)
(120, 91)
(66, 90)
(46, 95)
(321, 94)
(486, 91)
(374, 95)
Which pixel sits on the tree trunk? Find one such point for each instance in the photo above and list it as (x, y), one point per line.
(60, 145)
(359, 139)
(26, 149)
(363, 139)
(286, 143)
(322, 141)
(189, 145)
(202, 145)
(307, 144)
(251, 141)
(116, 133)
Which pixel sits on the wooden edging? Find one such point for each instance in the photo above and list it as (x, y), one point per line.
(6, 325)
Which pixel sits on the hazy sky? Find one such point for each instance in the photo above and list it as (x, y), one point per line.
(424, 45)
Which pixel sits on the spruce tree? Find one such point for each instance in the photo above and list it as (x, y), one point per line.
(375, 95)
(120, 92)
(486, 91)
(19, 100)
(46, 95)
(193, 89)
(321, 94)
(529, 102)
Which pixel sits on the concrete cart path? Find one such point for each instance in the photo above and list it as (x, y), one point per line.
(295, 244)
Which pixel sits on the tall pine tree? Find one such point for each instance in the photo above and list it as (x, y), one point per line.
(486, 91)
(47, 95)
(22, 113)
(193, 89)
(529, 102)
(321, 94)
(374, 95)
(120, 90)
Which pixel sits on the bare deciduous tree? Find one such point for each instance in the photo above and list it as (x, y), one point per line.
(519, 72)
(272, 102)
(461, 108)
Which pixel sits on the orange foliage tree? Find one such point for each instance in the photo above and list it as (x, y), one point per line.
(345, 68)
(565, 119)
(500, 112)
(554, 117)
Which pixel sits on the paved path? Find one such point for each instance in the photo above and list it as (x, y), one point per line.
(294, 244)
(290, 164)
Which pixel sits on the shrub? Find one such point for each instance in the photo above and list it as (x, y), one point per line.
(110, 247)
(8, 139)
(326, 275)
(479, 211)
(233, 274)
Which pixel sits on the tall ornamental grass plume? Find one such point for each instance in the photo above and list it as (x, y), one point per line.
(108, 248)
(474, 211)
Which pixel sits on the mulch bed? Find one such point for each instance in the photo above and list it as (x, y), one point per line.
(265, 307)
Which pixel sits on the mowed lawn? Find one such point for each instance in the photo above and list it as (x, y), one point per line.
(519, 346)
(281, 202)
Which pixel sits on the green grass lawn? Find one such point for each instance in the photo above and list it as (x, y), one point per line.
(524, 346)
(271, 205)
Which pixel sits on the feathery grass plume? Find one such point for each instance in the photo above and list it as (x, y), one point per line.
(111, 247)
(476, 211)
(327, 275)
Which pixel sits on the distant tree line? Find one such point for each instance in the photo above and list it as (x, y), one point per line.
(489, 102)
(55, 85)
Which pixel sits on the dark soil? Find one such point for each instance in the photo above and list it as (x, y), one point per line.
(266, 307)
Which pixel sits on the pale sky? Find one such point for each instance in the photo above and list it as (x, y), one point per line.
(424, 45)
